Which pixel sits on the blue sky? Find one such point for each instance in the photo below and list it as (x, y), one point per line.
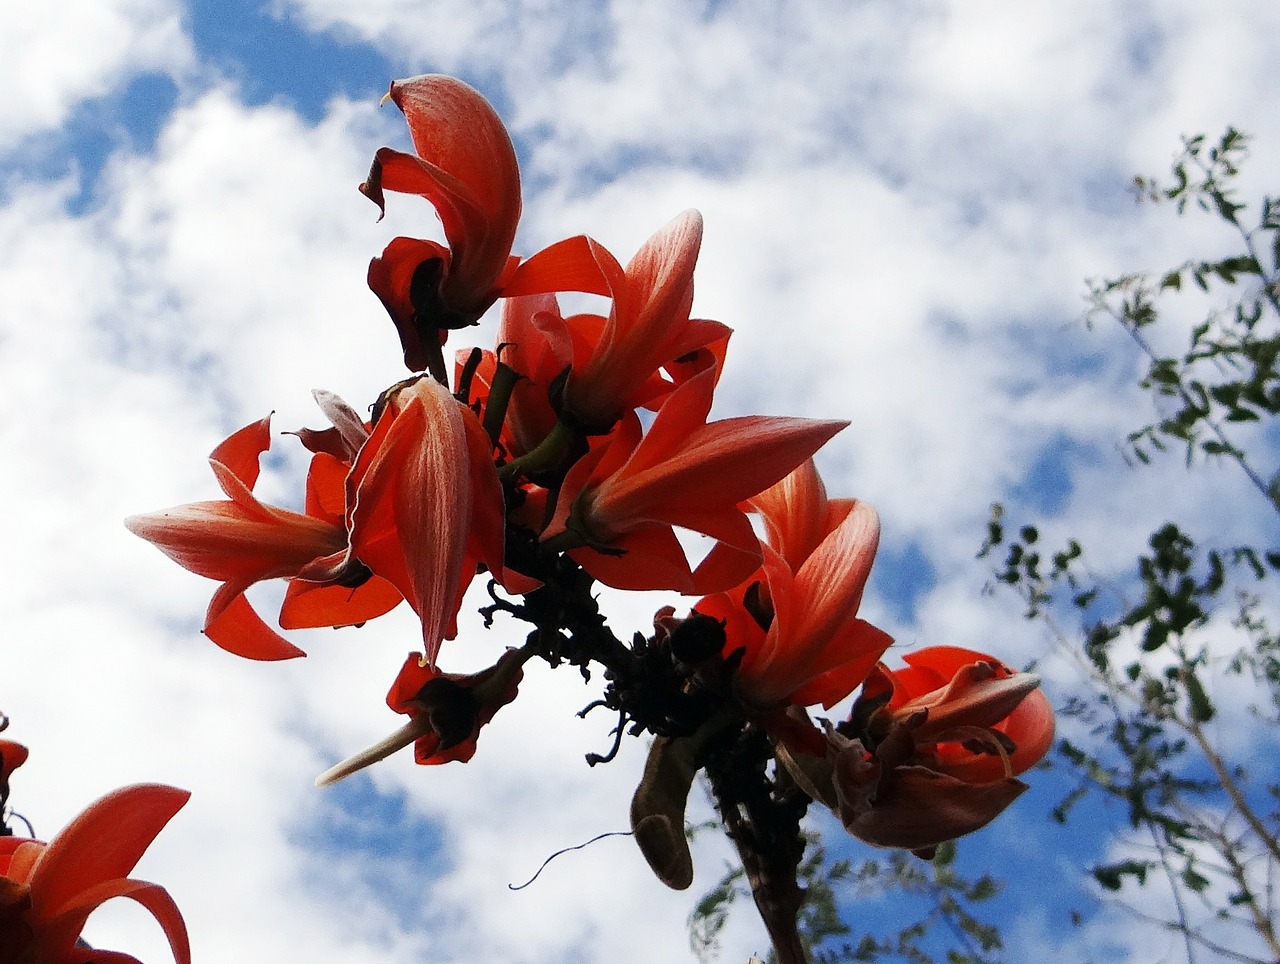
(902, 201)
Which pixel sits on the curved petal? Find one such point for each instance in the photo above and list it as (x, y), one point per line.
(651, 305)
(457, 131)
(966, 688)
(725, 566)
(240, 452)
(850, 655)
(391, 277)
(659, 279)
(62, 931)
(309, 605)
(234, 625)
(649, 558)
(795, 513)
(832, 579)
(413, 503)
(578, 263)
(12, 756)
(466, 166)
(103, 843)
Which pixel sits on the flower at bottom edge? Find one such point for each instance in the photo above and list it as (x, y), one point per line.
(48, 891)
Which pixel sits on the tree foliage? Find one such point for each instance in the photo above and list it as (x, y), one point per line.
(1182, 660)
(1179, 658)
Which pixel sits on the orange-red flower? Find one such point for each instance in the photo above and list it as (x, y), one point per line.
(931, 752)
(975, 717)
(428, 505)
(797, 622)
(47, 892)
(618, 503)
(452, 707)
(446, 712)
(465, 165)
(615, 361)
(240, 541)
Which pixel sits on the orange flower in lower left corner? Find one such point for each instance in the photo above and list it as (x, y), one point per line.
(48, 891)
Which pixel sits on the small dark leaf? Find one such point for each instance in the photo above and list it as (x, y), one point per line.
(1111, 876)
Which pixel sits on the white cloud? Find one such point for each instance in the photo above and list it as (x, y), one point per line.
(54, 56)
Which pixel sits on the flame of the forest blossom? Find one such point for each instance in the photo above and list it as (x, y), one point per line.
(622, 499)
(240, 541)
(429, 507)
(797, 622)
(938, 746)
(960, 689)
(465, 165)
(452, 707)
(446, 712)
(48, 891)
(614, 361)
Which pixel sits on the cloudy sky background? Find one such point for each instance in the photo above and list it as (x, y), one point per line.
(901, 200)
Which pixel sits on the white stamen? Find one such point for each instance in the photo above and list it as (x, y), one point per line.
(379, 751)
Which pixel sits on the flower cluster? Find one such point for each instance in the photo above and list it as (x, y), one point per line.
(572, 453)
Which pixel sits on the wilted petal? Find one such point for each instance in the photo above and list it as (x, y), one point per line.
(446, 712)
(914, 808)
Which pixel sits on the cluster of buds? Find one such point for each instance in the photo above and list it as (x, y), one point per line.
(532, 462)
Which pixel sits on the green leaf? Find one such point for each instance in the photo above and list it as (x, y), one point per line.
(1111, 876)
(1195, 881)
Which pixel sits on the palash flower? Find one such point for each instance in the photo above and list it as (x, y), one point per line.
(618, 503)
(446, 712)
(48, 891)
(931, 752)
(465, 165)
(796, 623)
(960, 690)
(428, 506)
(614, 361)
(240, 541)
